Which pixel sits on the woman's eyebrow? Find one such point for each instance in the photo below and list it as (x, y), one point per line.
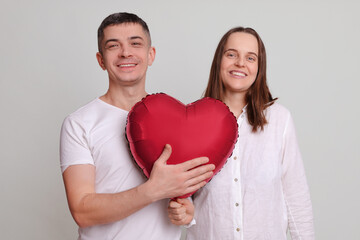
(234, 50)
(231, 49)
(253, 53)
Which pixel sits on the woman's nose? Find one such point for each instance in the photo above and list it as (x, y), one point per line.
(240, 61)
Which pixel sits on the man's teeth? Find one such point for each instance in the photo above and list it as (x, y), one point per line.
(238, 74)
(127, 65)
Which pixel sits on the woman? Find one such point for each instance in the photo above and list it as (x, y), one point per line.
(262, 190)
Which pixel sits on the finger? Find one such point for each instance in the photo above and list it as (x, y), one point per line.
(165, 154)
(198, 179)
(183, 201)
(176, 212)
(195, 187)
(193, 163)
(174, 204)
(177, 217)
(180, 221)
(180, 217)
(200, 170)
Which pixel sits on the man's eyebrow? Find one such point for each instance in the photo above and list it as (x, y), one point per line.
(117, 40)
(111, 40)
(136, 37)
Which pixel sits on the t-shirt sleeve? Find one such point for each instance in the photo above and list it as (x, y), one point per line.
(74, 144)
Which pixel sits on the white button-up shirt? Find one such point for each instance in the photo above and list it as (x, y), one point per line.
(261, 191)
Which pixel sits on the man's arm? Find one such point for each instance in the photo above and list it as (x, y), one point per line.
(166, 181)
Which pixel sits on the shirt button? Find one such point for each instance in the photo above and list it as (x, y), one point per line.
(236, 204)
(238, 229)
(235, 179)
(235, 158)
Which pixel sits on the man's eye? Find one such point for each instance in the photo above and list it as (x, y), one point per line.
(113, 46)
(136, 43)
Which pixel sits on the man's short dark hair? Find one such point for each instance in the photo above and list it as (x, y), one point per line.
(119, 18)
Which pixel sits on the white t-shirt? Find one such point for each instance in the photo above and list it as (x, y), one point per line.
(95, 134)
(261, 190)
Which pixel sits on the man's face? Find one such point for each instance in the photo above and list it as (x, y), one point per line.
(126, 54)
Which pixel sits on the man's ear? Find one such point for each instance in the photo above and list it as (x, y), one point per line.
(151, 56)
(100, 60)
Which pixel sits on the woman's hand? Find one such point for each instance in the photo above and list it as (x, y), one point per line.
(181, 211)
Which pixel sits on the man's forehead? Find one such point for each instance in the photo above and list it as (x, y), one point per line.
(124, 30)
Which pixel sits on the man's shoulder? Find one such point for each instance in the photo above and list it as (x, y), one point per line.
(96, 112)
(85, 111)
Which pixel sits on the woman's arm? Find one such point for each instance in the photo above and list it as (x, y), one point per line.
(296, 190)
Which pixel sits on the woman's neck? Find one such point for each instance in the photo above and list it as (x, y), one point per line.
(236, 102)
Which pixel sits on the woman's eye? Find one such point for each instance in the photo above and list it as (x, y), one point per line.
(231, 55)
(252, 59)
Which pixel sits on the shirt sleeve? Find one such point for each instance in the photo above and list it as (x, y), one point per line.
(296, 190)
(74, 147)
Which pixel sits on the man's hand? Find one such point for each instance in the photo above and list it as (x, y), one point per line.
(169, 181)
(181, 211)
(166, 181)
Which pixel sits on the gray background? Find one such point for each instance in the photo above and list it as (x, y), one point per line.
(48, 70)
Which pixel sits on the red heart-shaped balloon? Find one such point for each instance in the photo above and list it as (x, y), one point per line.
(203, 128)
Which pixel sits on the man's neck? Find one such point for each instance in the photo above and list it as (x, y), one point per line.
(124, 98)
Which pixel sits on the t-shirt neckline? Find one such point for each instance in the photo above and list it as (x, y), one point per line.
(111, 106)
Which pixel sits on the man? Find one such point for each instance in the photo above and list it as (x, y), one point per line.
(107, 194)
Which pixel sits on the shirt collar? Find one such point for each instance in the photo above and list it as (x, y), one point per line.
(244, 109)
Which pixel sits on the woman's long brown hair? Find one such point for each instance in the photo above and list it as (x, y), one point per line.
(258, 96)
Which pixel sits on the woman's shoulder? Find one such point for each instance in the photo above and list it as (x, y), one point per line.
(277, 111)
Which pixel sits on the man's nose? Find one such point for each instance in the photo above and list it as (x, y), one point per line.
(125, 51)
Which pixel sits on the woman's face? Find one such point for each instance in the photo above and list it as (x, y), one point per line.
(239, 63)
